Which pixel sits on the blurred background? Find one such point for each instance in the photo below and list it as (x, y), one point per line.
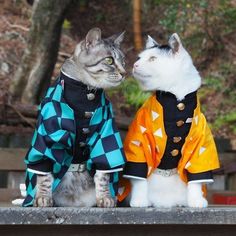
(37, 36)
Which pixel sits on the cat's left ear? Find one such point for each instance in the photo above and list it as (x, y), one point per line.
(151, 42)
(117, 38)
(175, 42)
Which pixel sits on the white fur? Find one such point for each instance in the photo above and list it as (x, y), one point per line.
(139, 193)
(171, 71)
(160, 191)
(167, 71)
(195, 196)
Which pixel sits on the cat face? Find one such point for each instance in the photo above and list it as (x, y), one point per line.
(164, 67)
(101, 60)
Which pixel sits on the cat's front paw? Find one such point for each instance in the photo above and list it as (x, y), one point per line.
(197, 202)
(106, 202)
(139, 203)
(43, 201)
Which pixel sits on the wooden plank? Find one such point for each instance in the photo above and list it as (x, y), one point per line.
(12, 159)
(9, 194)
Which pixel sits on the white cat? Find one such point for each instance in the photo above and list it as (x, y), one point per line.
(168, 69)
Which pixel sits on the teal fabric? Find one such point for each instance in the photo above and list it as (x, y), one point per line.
(55, 135)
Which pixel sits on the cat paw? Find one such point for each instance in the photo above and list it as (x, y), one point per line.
(43, 201)
(200, 202)
(139, 203)
(106, 202)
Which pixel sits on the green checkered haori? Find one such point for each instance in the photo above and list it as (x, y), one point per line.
(55, 136)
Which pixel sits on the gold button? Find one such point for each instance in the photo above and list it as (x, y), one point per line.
(82, 144)
(90, 96)
(181, 106)
(88, 114)
(179, 123)
(174, 152)
(176, 139)
(85, 130)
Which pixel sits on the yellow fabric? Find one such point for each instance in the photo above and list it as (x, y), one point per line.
(146, 141)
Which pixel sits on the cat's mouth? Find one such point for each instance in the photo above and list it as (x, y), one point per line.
(115, 78)
(140, 74)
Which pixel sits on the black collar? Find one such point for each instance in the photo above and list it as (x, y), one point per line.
(76, 95)
(167, 95)
(78, 84)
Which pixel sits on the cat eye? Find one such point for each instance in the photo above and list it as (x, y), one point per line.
(109, 60)
(152, 58)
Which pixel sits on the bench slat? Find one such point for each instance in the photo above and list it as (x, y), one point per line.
(9, 194)
(12, 159)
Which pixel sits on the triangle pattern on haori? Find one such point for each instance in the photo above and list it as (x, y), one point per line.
(202, 149)
(121, 190)
(155, 115)
(158, 133)
(196, 119)
(136, 142)
(187, 165)
(149, 169)
(143, 129)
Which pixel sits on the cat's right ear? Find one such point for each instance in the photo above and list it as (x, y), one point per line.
(175, 42)
(93, 37)
(151, 42)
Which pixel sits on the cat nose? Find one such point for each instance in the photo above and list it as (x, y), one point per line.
(135, 65)
(122, 71)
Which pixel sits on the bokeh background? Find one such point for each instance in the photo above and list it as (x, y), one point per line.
(207, 28)
(36, 36)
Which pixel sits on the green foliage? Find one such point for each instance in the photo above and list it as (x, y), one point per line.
(133, 95)
(66, 24)
(227, 119)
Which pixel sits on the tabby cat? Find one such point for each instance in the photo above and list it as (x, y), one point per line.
(76, 151)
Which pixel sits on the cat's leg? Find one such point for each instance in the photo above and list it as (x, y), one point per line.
(167, 191)
(102, 189)
(195, 196)
(139, 193)
(43, 196)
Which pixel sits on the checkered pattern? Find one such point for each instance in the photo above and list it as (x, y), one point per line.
(54, 138)
(106, 148)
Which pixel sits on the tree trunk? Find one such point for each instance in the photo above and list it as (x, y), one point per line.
(137, 24)
(40, 56)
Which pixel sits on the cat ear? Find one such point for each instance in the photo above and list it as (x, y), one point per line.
(175, 42)
(151, 42)
(93, 37)
(117, 38)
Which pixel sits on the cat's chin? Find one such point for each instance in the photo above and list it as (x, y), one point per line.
(145, 87)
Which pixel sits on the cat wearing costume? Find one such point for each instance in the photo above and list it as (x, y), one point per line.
(169, 147)
(76, 152)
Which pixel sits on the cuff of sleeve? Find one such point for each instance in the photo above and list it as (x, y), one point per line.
(133, 177)
(203, 177)
(201, 181)
(43, 167)
(135, 170)
(111, 170)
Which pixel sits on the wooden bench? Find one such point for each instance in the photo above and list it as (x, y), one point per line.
(12, 163)
(59, 221)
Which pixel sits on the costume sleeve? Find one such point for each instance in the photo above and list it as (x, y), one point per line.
(52, 141)
(203, 153)
(136, 148)
(202, 177)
